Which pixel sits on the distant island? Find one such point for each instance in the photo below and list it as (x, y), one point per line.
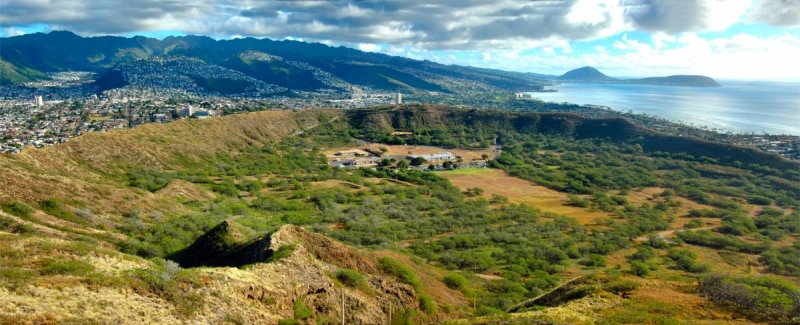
(592, 75)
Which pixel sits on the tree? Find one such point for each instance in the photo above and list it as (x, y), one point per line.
(485, 156)
(402, 165)
(499, 199)
(455, 281)
(595, 260)
(418, 161)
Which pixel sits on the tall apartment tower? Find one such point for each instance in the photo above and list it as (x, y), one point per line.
(39, 101)
(356, 94)
(399, 98)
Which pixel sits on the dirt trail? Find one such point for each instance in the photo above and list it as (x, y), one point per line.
(665, 233)
(754, 213)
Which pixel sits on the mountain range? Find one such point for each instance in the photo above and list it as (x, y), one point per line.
(289, 64)
(265, 66)
(592, 75)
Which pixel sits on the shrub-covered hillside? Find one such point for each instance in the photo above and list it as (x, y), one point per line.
(629, 234)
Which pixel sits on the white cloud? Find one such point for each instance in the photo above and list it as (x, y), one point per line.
(741, 56)
(777, 13)
(11, 31)
(369, 47)
(423, 24)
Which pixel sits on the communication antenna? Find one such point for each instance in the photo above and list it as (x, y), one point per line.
(342, 306)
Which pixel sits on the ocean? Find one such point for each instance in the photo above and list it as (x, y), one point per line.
(737, 106)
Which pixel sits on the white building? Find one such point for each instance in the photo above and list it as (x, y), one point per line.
(39, 101)
(399, 98)
(442, 156)
(356, 95)
(187, 111)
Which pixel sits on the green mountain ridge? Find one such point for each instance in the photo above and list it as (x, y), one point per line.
(64, 51)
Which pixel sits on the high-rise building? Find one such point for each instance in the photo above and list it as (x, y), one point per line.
(399, 98)
(356, 95)
(39, 101)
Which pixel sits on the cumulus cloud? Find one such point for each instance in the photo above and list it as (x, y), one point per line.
(422, 24)
(783, 13)
(92, 17)
(672, 17)
(740, 56)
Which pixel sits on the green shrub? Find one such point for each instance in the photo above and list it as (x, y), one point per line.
(427, 305)
(694, 223)
(498, 199)
(58, 209)
(487, 310)
(17, 208)
(685, 259)
(14, 277)
(65, 267)
(282, 252)
(226, 188)
(762, 297)
(403, 273)
(301, 312)
(622, 286)
(595, 260)
(640, 268)
(351, 278)
(455, 281)
(7, 223)
(760, 200)
(167, 280)
(13, 226)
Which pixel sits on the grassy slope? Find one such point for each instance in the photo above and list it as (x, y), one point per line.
(10, 74)
(96, 162)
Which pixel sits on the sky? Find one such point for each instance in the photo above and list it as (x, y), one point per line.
(724, 39)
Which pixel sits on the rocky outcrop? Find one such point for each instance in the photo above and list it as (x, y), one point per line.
(306, 275)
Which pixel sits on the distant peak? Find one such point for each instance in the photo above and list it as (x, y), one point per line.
(586, 73)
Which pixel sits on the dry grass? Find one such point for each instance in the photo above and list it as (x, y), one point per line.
(186, 190)
(520, 191)
(431, 280)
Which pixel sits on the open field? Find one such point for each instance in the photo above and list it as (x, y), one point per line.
(520, 191)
